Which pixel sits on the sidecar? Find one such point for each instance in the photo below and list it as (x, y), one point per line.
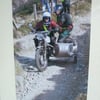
(66, 49)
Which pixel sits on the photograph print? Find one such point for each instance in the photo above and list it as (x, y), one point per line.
(51, 40)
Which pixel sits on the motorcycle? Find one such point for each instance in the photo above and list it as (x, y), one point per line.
(47, 45)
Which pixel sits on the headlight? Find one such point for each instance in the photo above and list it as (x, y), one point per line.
(47, 39)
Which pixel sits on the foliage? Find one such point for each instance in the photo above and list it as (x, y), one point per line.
(27, 8)
(24, 10)
(18, 68)
(81, 96)
(24, 30)
(17, 47)
(81, 7)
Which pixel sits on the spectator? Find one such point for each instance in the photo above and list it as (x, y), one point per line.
(45, 5)
(66, 5)
(53, 4)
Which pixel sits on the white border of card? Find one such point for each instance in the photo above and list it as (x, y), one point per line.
(7, 74)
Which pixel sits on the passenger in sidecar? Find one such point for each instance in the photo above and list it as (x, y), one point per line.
(64, 21)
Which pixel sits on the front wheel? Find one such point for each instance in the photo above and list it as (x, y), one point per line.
(41, 59)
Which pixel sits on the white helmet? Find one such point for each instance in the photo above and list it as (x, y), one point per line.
(46, 14)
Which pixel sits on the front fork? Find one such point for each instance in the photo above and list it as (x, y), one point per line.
(42, 44)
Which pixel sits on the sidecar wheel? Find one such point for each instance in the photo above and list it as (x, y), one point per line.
(75, 59)
(41, 59)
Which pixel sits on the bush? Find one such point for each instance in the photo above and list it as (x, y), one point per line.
(18, 68)
(81, 97)
(17, 47)
(80, 7)
(24, 30)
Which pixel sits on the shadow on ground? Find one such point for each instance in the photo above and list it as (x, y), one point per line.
(27, 62)
(68, 84)
(73, 79)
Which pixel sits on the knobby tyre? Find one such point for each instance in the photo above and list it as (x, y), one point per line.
(41, 59)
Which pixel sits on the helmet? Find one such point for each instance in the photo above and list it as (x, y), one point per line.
(46, 14)
(46, 18)
(59, 8)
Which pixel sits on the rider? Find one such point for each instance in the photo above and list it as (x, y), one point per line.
(64, 21)
(47, 24)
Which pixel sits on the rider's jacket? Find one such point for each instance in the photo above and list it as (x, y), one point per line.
(64, 20)
(42, 27)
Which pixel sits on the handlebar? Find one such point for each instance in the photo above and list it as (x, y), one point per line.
(48, 31)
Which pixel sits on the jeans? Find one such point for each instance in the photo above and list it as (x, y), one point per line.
(46, 6)
(54, 5)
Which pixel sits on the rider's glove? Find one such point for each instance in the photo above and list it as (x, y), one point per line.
(69, 27)
(60, 29)
(56, 29)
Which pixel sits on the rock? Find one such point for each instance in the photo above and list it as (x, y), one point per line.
(81, 96)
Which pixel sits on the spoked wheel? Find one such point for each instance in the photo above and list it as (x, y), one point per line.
(41, 59)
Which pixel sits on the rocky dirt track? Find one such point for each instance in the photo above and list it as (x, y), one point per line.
(62, 80)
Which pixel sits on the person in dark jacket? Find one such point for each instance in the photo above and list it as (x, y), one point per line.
(66, 5)
(64, 21)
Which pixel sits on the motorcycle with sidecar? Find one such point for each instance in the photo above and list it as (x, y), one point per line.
(48, 45)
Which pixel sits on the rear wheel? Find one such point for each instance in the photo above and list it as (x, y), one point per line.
(41, 59)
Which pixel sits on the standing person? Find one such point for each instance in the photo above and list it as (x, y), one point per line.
(66, 5)
(53, 4)
(45, 5)
(64, 21)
